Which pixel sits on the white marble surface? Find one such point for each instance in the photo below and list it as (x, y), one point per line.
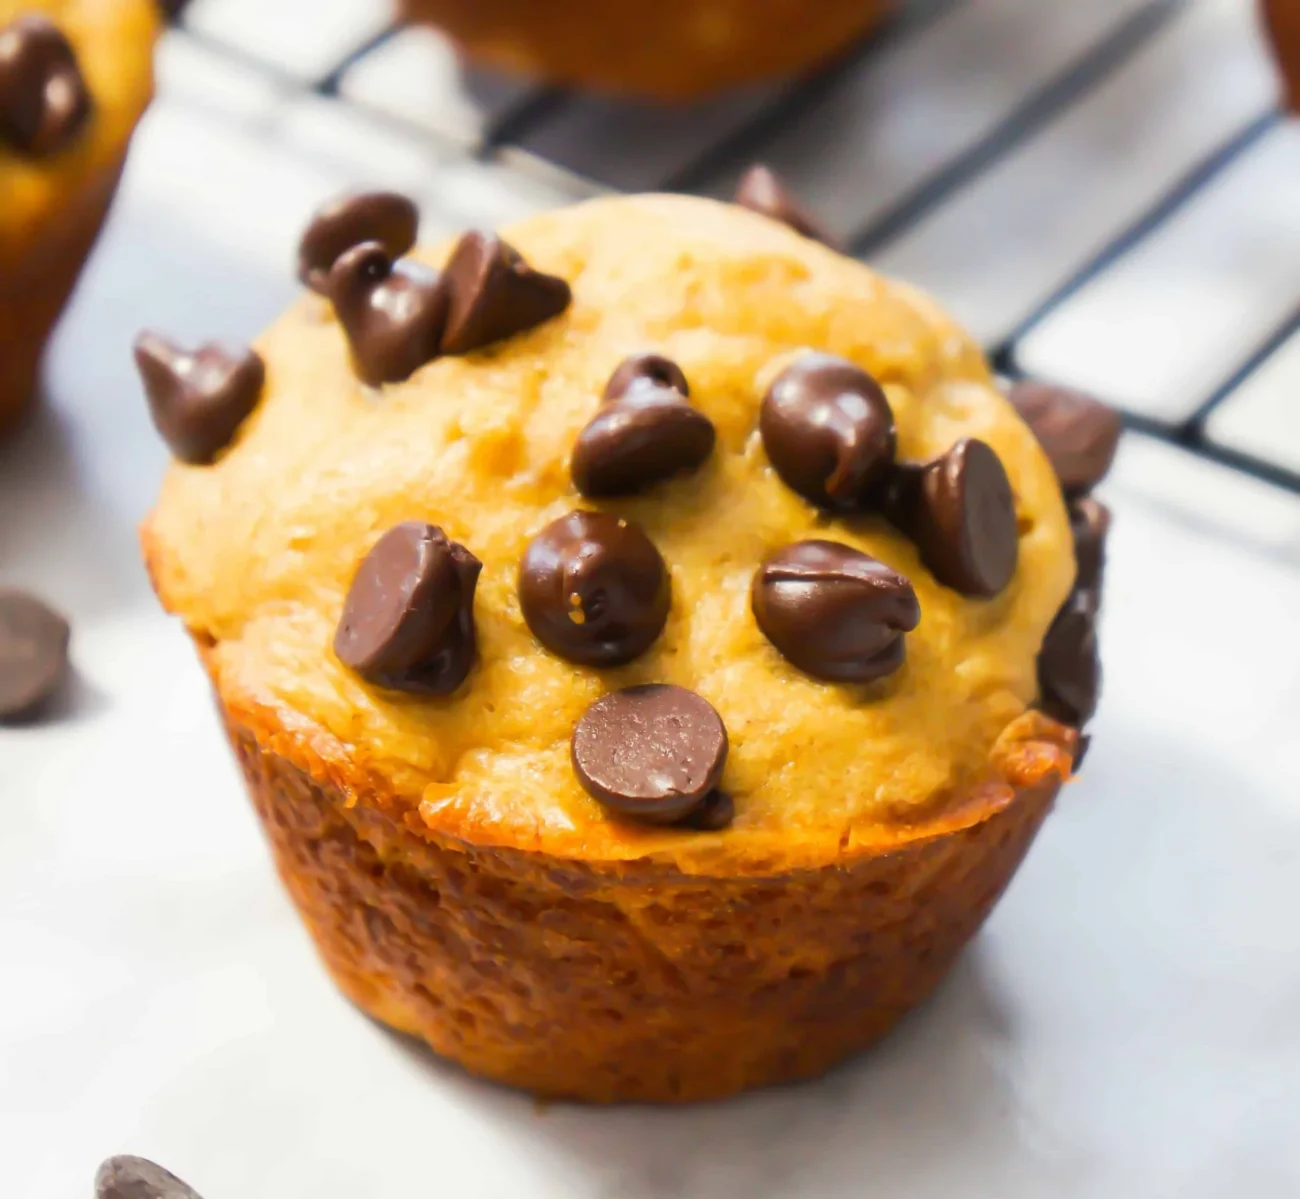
(1127, 1027)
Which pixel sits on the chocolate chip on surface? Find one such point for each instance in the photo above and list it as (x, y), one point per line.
(198, 399)
(960, 511)
(494, 294)
(128, 1177)
(653, 752)
(594, 589)
(1069, 666)
(44, 101)
(387, 218)
(836, 613)
(761, 190)
(33, 653)
(1090, 523)
(828, 431)
(1078, 434)
(408, 620)
(393, 313)
(646, 431)
(642, 370)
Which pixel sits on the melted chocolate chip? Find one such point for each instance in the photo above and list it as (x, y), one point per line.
(594, 589)
(960, 511)
(1090, 523)
(138, 1178)
(836, 613)
(33, 653)
(408, 621)
(198, 400)
(653, 752)
(392, 312)
(640, 370)
(761, 190)
(389, 219)
(829, 431)
(495, 294)
(1069, 667)
(645, 432)
(44, 101)
(1078, 434)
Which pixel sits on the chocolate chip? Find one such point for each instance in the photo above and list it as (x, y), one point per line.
(496, 294)
(761, 190)
(408, 621)
(645, 432)
(961, 513)
(652, 752)
(1282, 19)
(594, 589)
(198, 399)
(387, 218)
(1069, 667)
(1090, 523)
(1081, 748)
(393, 313)
(44, 101)
(138, 1178)
(717, 810)
(1078, 434)
(835, 612)
(829, 431)
(33, 653)
(641, 369)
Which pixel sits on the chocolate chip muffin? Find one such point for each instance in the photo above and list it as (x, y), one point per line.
(672, 49)
(75, 75)
(629, 628)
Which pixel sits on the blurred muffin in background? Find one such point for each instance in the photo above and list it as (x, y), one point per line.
(670, 49)
(1282, 19)
(75, 76)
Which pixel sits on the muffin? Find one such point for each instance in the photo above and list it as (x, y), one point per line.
(671, 49)
(628, 631)
(75, 75)
(1282, 21)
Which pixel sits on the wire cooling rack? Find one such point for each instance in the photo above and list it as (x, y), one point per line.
(1107, 194)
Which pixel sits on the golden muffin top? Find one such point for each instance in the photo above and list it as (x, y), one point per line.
(858, 694)
(75, 75)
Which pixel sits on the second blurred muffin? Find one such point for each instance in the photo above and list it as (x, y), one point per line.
(671, 49)
(75, 76)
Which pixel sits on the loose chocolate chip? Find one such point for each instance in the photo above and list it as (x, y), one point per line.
(716, 811)
(408, 621)
(393, 313)
(33, 653)
(641, 370)
(645, 432)
(387, 218)
(1078, 434)
(495, 294)
(761, 190)
(652, 752)
(594, 589)
(198, 400)
(138, 1178)
(961, 513)
(44, 101)
(1090, 523)
(835, 612)
(1069, 668)
(829, 431)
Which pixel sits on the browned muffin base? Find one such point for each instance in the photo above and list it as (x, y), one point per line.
(673, 49)
(34, 287)
(633, 981)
